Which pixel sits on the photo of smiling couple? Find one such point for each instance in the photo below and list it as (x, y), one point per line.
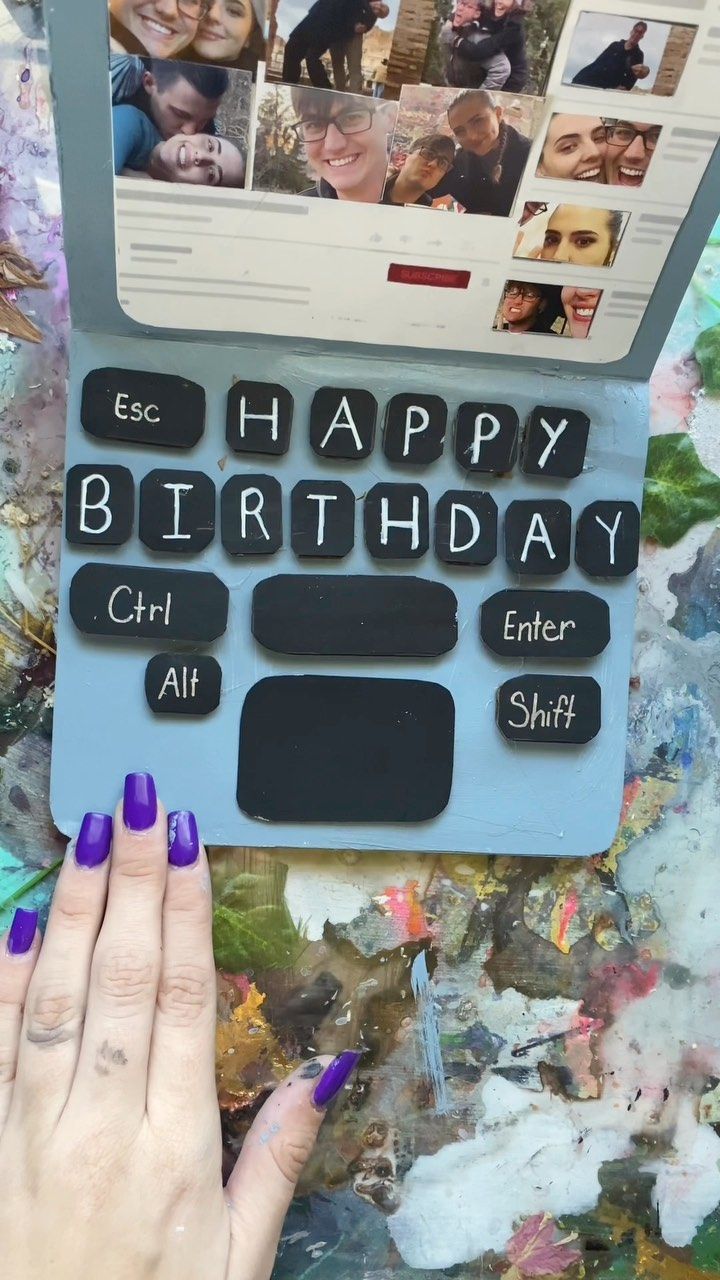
(227, 33)
(457, 151)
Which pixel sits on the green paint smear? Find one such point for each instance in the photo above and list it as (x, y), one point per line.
(707, 354)
(706, 1245)
(250, 932)
(679, 490)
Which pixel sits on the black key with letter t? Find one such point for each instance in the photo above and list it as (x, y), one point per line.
(146, 408)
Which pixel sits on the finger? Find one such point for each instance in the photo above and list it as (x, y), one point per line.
(184, 1028)
(19, 951)
(57, 998)
(113, 1063)
(274, 1153)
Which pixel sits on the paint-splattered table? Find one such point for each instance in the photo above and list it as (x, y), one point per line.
(540, 1091)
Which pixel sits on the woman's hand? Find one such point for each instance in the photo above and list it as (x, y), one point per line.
(110, 1146)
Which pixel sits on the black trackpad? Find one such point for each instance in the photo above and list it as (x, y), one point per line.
(345, 749)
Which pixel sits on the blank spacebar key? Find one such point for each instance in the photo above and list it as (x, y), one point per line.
(354, 615)
(148, 603)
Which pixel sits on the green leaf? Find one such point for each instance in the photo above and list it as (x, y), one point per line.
(707, 354)
(679, 490)
(260, 938)
(706, 1245)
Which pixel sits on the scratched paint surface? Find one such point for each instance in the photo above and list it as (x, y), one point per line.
(539, 1094)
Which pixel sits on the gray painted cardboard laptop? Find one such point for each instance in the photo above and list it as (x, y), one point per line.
(269, 285)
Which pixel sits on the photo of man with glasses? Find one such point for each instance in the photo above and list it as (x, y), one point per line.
(630, 148)
(339, 140)
(428, 160)
(527, 307)
(595, 149)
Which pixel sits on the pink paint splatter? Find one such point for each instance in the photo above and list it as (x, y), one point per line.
(402, 902)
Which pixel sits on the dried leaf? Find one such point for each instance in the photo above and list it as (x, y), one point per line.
(538, 1249)
(17, 271)
(13, 321)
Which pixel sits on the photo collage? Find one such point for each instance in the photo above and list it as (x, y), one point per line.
(428, 104)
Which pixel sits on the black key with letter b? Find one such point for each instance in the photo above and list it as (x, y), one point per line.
(99, 505)
(159, 409)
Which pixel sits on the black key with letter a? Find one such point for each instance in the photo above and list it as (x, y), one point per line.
(345, 749)
(342, 423)
(149, 604)
(183, 685)
(607, 539)
(177, 511)
(99, 505)
(365, 616)
(537, 536)
(486, 437)
(251, 516)
(259, 417)
(146, 408)
(466, 527)
(554, 443)
(549, 709)
(414, 429)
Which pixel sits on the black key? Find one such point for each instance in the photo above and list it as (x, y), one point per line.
(342, 423)
(159, 409)
(259, 417)
(251, 516)
(549, 709)
(99, 505)
(607, 540)
(354, 616)
(545, 624)
(414, 429)
(177, 511)
(149, 604)
(345, 749)
(397, 524)
(537, 536)
(322, 514)
(466, 527)
(183, 686)
(555, 441)
(486, 437)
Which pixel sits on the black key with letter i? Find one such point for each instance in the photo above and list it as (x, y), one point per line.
(146, 408)
(177, 511)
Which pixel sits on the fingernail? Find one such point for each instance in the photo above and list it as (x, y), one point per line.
(22, 932)
(93, 843)
(139, 802)
(183, 839)
(335, 1076)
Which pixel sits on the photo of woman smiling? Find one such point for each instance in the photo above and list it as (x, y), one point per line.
(340, 141)
(570, 233)
(228, 33)
(595, 149)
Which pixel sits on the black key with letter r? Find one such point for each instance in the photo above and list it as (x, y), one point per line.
(148, 604)
(160, 409)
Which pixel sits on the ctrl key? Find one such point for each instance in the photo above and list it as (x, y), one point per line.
(148, 604)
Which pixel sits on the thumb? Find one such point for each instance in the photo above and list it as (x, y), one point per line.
(274, 1153)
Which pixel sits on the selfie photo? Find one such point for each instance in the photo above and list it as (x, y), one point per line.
(179, 122)
(501, 44)
(463, 150)
(332, 44)
(597, 149)
(570, 233)
(565, 311)
(609, 51)
(228, 33)
(323, 144)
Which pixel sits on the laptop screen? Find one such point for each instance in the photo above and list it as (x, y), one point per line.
(502, 179)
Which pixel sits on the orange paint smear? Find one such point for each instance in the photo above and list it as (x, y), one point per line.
(402, 902)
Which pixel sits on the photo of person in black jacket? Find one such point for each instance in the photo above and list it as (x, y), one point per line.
(486, 46)
(620, 65)
(626, 54)
(491, 155)
(327, 23)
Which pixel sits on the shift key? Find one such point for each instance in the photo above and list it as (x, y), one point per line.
(148, 604)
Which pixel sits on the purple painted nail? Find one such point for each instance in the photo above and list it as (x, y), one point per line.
(93, 842)
(22, 932)
(139, 802)
(183, 839)
(335, 1076)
